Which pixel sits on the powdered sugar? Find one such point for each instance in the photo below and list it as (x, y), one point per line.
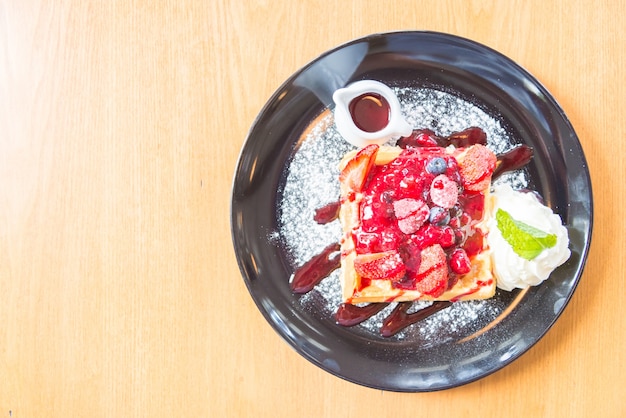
(311, 181)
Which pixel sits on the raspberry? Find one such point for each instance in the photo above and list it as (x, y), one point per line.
(427, 235)
(460, 262)
(447, 238)
(437, 166)
(444, 192)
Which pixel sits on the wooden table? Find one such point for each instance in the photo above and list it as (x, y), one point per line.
(120, 126)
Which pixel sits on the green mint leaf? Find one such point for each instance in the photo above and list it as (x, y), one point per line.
(527, 241)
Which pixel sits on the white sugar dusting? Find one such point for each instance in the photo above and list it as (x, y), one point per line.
(312, 182)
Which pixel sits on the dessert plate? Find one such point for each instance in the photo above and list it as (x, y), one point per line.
(287, 169)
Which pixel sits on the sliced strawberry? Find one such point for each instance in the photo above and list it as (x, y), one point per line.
(448, 237)
(405, 207)
(354, 174)
(386, 265)
(444, 192)
(432, 276)
(411, 214)
(477, 167)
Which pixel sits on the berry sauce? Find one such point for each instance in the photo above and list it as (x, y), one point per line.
(327, 213)
(428, 138)
(370, 112)
(317, 268)
(349, 315)
(399, 318)
(513, 159)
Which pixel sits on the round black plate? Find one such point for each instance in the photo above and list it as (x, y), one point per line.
(477, 75)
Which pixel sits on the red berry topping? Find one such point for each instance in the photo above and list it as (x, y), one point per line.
(477, 166)
(417, 213)
(444, 192)
(447, 238)
(425, 139)
(460, 262)
(406, 207)
(427, 235)
(386, 265)
(432, 276)
(411, 214)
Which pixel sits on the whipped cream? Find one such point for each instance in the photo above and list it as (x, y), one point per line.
(511, 270)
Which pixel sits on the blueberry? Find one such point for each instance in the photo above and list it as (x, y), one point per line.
(438, 216)
(456, 211)
(437, 166)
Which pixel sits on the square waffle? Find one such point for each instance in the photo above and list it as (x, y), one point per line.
(413, 224)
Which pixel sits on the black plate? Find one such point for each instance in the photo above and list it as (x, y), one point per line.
(455, 347)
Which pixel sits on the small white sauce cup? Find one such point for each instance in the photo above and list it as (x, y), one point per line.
(396, 127)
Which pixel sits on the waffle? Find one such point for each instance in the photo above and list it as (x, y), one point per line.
(413, 224)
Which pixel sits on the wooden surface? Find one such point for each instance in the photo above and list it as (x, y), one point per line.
(120, 127)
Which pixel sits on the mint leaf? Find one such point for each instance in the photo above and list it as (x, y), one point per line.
(527, 241)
